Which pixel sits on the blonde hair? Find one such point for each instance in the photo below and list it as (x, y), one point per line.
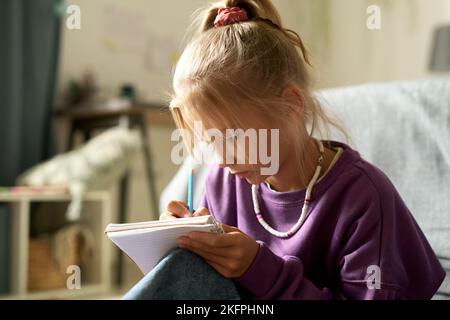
(243, 68)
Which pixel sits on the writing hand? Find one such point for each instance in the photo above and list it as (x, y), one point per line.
(178, 209)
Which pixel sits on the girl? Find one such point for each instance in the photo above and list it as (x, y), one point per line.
(327, 224)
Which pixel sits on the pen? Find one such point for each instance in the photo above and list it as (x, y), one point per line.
(191, 191)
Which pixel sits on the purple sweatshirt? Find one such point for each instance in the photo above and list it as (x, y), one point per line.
(358, 230)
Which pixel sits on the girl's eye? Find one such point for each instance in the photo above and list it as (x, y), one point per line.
(209, 141)
(206, 141)
(231, 138)
(226, 138)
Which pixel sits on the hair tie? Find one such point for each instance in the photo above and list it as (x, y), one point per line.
(226, 16)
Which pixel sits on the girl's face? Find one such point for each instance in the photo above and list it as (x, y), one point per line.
(254, 154)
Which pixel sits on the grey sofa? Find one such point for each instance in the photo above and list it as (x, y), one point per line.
(404, 129)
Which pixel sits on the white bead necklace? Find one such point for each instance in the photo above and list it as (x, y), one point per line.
(300, 221)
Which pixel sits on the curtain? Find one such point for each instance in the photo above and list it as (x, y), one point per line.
(29, 46)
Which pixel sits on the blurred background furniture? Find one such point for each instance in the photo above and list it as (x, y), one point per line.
(404, 129)
(95, 276)
(88, 119)
(440, 55)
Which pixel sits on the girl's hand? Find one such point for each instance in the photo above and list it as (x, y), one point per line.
(178, 209)
(231, 254)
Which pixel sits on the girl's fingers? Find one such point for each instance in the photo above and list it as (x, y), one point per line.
(221, 261)
(215, 240)
(229, 229)
(217, 251)
(167, 216)
(178, 209)
(201, 212)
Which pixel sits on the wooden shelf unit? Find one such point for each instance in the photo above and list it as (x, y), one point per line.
(95, 278)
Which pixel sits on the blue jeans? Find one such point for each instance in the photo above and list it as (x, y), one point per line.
(183, 275)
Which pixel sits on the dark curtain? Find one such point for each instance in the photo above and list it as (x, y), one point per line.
(29, 46)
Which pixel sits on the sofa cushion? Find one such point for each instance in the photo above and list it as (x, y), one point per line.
(404, 129)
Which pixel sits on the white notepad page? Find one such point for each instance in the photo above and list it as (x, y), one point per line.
(147, 246)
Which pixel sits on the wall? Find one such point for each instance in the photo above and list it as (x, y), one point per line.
(344, 50)
(400, 50)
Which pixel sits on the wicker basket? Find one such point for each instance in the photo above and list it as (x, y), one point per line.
(44, 273)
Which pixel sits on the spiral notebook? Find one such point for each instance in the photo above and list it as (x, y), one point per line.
(148, 242)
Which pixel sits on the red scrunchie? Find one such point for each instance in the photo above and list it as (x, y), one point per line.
(227, 16)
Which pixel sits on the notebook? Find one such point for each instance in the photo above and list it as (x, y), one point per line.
(148, 242)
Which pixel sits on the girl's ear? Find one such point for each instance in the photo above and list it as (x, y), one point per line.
(294, 96)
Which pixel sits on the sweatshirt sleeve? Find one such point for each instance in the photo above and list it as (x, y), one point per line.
(274, 277)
